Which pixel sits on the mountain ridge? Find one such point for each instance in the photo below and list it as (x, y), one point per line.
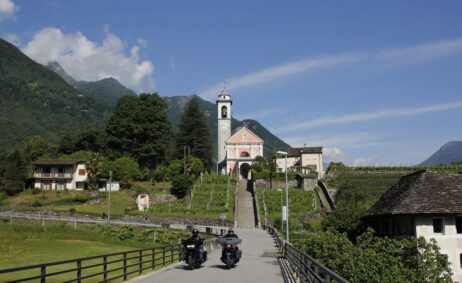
(37, 101)
(450, 152)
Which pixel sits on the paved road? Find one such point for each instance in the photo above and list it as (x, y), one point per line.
(258, 264)
(245, 212)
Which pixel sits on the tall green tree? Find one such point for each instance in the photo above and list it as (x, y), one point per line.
(91, 140)
(139, 127)
(194, 133)
(39, 147)
(94, 166)
(13, 172)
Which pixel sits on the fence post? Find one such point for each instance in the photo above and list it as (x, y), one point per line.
(171, 253)
(43, 274)
(153, 258)
(79, 271)
(105, 268)
(125, 266)
(163, 256)
(140, 262)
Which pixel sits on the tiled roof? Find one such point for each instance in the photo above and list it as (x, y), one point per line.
(423, 192)
(58, 161)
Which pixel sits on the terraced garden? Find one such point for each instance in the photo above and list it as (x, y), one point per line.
(208, 200)
(301, 203)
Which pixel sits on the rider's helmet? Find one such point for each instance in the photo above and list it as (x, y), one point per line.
(195, 232)
(230, 231)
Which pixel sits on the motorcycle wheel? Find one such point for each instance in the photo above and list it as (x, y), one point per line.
(229, 262)
(191, 263)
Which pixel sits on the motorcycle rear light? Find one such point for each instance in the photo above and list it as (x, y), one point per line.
(190, 246)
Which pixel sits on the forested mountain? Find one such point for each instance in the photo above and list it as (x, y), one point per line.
(448, 153)
(37, 101)
(176, 105)
(108, 90)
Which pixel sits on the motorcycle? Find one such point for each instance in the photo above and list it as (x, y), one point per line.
(192, 253)
(231, 254)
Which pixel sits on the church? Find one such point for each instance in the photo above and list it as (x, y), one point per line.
(236, 150)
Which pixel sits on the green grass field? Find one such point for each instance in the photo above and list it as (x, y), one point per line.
(27, 242)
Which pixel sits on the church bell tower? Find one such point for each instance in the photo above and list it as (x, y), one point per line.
(224, 103)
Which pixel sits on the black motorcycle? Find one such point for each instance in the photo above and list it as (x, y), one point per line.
(231, 254)
(193, 255)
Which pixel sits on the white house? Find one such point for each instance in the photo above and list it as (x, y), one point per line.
(60, 174)
(423, 204)
(302, 160)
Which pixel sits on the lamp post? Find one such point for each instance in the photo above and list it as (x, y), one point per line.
(287, 195)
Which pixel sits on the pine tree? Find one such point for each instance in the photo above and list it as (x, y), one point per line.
(194, 133)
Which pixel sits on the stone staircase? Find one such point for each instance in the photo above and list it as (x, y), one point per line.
(245, 209)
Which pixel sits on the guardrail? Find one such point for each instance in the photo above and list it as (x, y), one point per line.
(305, 266)
(102, 268)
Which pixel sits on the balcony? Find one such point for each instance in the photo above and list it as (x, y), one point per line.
(53, 175)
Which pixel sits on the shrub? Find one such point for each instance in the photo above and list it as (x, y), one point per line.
(36, 203)
(181, 184)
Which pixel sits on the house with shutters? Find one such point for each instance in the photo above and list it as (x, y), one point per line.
(53, 174)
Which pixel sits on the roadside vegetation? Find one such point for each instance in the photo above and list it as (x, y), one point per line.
(27, 242)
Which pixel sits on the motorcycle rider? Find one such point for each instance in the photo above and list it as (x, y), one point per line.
(199, 243)
(237, 251)
(231, 234)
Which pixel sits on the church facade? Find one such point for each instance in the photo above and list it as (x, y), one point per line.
(237, 151)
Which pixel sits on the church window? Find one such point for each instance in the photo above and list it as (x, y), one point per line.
(244, 138)
(224, 112)
(245, 154)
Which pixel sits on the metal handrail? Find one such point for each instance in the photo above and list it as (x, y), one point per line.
(305, 266)
(128, 262)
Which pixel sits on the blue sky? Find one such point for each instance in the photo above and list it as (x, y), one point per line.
(374, 82)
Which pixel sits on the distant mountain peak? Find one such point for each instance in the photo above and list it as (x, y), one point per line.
(448, 153)
(58, 69)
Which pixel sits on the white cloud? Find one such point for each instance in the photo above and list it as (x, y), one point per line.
(368, 116)
(172, 62)
(278, 72)
(84, 59)
(412, 53)
(12, 38)
(345, 140)
(363, 161)
(332, 153)
(7, 9)
(142, 42)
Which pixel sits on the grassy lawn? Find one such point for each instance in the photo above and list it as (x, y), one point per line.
(27, 242)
